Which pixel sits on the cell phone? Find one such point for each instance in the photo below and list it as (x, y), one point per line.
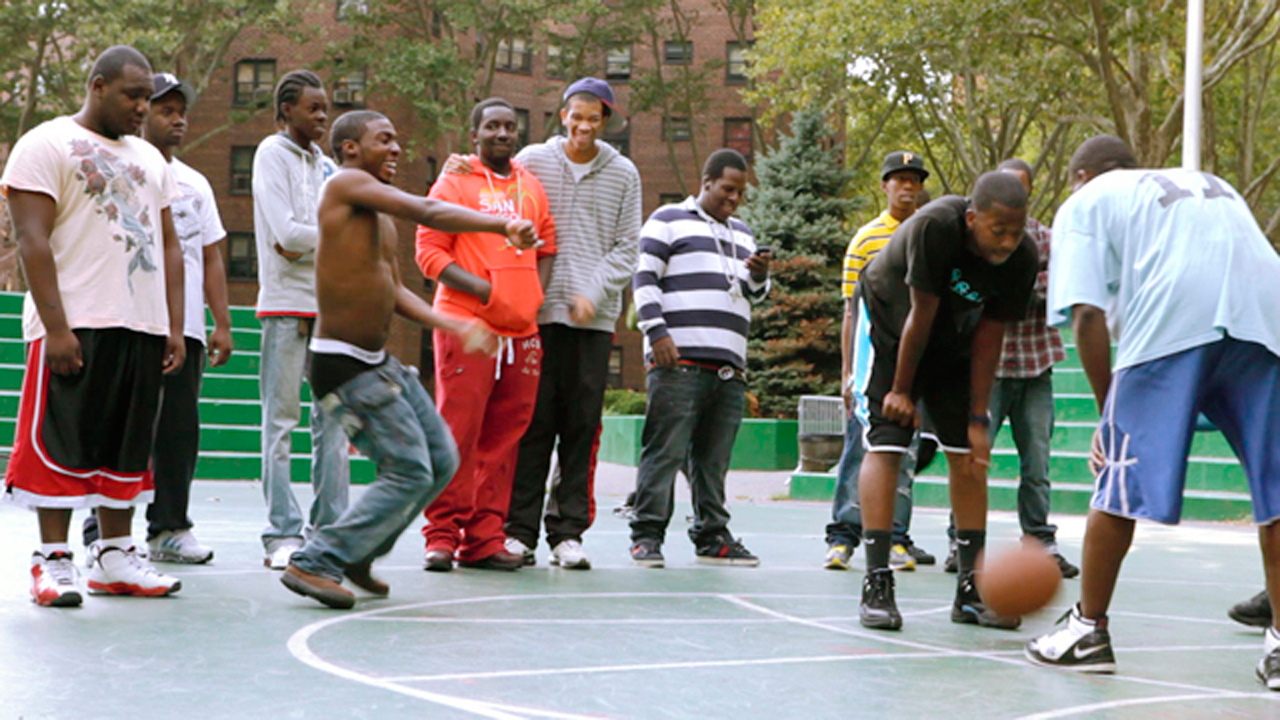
(764, 250)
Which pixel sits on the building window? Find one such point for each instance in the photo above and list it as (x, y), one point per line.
(621, 141)
(670, 198)
(738, 134)
(677, 52)
(348, 89)
(242, 256)
(555, 60)
(242, 170)
(735, 67)
(514, 55)
(349, 8)
(522, 127)
(255, 80)
(677, 129)
(617, 63)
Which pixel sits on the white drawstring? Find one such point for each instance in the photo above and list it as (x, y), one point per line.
(510, 344)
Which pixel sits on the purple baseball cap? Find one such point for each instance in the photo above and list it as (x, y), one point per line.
(601, 89)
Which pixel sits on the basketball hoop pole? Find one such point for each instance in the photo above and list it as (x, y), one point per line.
(1193, 99)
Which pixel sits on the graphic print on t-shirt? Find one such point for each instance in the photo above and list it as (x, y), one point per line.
(113, 187)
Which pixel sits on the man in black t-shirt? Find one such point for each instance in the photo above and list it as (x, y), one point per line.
(932, 307)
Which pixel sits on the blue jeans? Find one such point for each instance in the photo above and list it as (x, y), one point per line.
(1028, 405)
(390, 418)
(284, 357)
(691, 423)
(846, 515)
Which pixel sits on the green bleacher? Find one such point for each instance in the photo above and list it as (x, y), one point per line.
(230, 413)
(1216, 485)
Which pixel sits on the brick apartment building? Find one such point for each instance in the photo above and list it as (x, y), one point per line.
(255, 62)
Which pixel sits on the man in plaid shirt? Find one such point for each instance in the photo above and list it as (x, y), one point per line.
(1023, 393)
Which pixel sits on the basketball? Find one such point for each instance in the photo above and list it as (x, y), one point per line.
(1019, 581)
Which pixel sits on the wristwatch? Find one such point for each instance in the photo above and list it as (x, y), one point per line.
(980, 419)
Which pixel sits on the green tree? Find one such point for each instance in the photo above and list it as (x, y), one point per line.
(798, 208)
(971, 82)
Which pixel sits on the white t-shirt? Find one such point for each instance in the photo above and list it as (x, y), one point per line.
(1175, 257)
(580, 170)
(107, 241)
(195, 217)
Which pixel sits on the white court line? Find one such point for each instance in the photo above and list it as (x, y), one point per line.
(880, 636)
(1114, 704)
(301, 650)
(298, 646)
(651, 667)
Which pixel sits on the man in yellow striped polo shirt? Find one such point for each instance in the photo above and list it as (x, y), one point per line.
(902, 179)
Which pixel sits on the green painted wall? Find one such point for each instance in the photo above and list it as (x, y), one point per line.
(761, 444)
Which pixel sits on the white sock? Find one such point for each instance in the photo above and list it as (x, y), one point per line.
(1079, 617)
(47, 549)
(124, 542)
(1270, 640)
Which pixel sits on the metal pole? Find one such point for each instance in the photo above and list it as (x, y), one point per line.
(1194, 90)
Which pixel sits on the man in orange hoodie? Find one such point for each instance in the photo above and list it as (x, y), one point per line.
(487, 401)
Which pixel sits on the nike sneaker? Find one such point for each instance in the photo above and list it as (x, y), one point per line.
(1079, 644)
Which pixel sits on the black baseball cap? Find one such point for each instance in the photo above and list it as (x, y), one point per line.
(166, 83)
(903, 160)
(601, 89)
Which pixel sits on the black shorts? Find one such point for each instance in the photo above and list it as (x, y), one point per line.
(941, 383)
(86, 439)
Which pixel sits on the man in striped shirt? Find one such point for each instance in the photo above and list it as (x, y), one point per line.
(699, 273)
(902, 179)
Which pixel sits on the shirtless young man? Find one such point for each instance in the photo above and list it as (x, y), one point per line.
(379, 402)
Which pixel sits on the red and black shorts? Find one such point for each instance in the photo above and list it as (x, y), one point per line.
(85, 440)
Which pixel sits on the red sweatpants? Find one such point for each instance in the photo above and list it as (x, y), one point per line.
(488, 417)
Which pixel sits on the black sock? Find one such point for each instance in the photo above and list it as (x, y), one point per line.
(969, 544)
(877, 544)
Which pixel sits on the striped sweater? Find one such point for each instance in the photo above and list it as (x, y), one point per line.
(682, 286)
(597, 227)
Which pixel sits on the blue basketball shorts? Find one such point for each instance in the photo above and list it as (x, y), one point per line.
(1149, 420)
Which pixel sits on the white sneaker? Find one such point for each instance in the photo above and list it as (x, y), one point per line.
(123, 572)
(55, 581)
(178, 546)
(516, 547)
(278, 559)
(1078, 644)
(569, 555)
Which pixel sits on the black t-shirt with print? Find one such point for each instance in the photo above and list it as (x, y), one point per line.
(929, 252)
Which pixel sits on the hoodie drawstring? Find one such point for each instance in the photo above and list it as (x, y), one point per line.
(510, 345)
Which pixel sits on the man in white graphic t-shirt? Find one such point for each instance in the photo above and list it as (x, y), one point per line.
(200, 231)
(91, 211)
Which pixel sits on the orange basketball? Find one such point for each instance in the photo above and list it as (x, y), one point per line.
(1019, 581)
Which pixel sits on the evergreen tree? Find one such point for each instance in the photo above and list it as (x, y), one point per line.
(799, 209)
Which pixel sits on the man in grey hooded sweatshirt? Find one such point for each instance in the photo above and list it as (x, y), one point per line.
(594, 192)
(288, 169)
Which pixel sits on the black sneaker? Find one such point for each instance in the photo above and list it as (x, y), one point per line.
(952, 563)
(921, 556)
(1064, 565)
(725, 550)
(878, 610)
(1254, 612)
(647, 552)
(1082, 646)
(969, 609)
(1269, 670)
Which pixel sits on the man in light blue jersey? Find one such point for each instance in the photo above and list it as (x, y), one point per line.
(1174, 262)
